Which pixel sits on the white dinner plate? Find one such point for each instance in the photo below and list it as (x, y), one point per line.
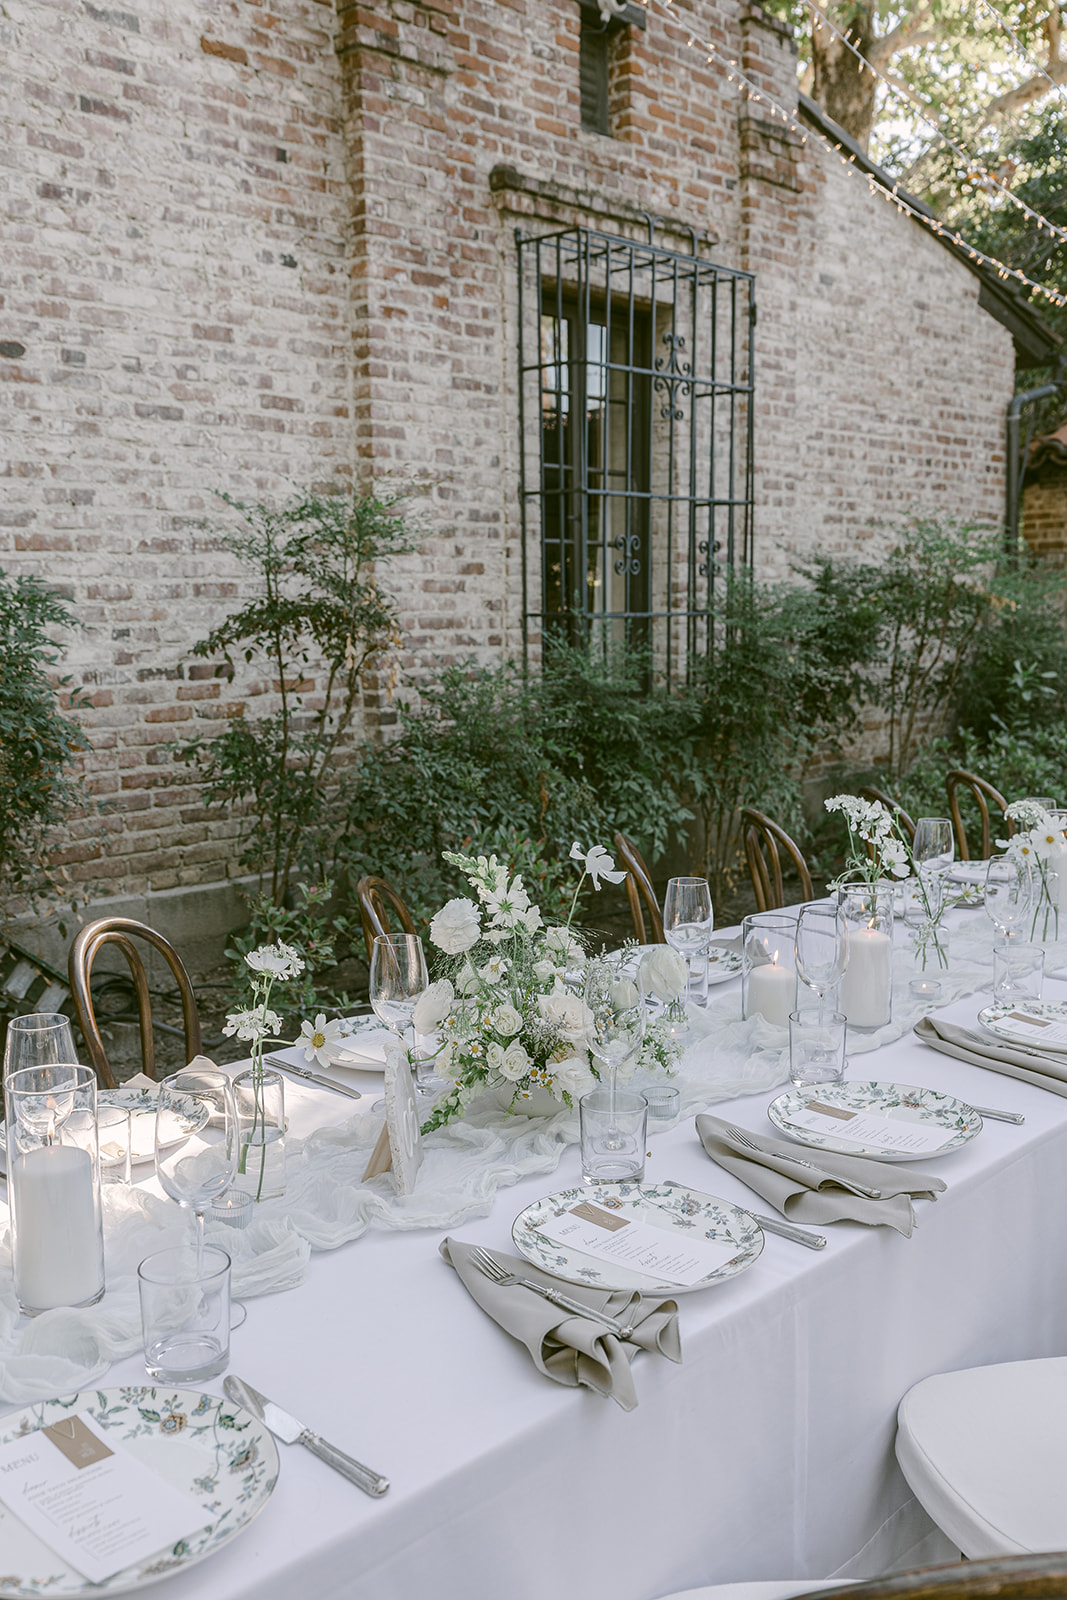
(209, 1448)
(1006, 1022)
(363, 1045)
(901, 1102)
(141, 1104)
(972, 874)
(668, 1206)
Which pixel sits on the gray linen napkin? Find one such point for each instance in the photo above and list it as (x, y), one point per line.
(803, 1196)
(565, 1347)
(1046, 1072)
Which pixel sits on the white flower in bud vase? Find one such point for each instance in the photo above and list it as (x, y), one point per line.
(456, 927)
(257, 1023)
(317, 1037)
(506, 1020)
(433, 1006)
(568, 1013)
(516, 1063)
(597, 863)
(663, 972)
(278, 961)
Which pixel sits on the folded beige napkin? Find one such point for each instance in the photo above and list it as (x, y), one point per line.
(1047, 1072)
(803, 1196)
(568, 1348)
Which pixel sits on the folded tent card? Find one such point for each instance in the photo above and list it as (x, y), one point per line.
(399, 1144)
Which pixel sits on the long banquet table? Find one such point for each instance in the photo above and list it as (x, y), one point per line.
(767, 1454)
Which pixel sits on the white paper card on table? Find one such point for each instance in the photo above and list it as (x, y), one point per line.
(621, 1237)
(863, 1127)
(1043, 1031)
(90, 1500)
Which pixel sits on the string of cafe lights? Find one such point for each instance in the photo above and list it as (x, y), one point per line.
(972, 165)
(890, 193)
(1035, 66)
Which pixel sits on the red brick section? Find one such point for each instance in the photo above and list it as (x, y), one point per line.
(252, 245)
(1044, 519)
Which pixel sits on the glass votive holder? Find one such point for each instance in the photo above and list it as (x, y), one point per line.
(768, 966)
(236, 1209)
(613, 1128)
(116, 1151)
(662, 1101)
(185, 1313)
(816, 1047)
(1018, 973)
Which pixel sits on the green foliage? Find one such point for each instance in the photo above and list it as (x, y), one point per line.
(38, 744)
(314, 929)
(317, 607)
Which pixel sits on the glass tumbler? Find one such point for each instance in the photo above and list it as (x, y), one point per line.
(613, 1127)
(1018, 973)
(816, 1047)
(185, 1313)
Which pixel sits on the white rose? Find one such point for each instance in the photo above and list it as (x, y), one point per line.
(625, 994)
(516, 1063)
(564, 948)
(568, 1013)
(543, 970)
(572, 1077)
(494, 1056)
(433, 1006)
(443, 1060)
(456, 927)
(663, 972)
(507, 1020)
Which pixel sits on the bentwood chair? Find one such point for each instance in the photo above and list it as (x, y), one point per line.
(983, 794)
(638, 888)
(1036, 1577)
(374, 896)
(906, 822)
(765, 842)
(121, 932)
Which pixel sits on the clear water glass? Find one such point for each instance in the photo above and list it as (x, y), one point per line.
(933, 846)
(821, 947)
(816, 1047)
(39, 1039)
(1018, 973)
(185, 1313)
(1008, 895)
(613, 1125)
(196, 1171)
(688, 921)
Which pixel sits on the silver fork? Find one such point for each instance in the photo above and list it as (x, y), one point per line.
(491, 1268)
(845, 1183)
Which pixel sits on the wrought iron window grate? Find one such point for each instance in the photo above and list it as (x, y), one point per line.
(636, 390)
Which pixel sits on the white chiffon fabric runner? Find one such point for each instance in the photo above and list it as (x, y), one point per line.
(325, 1205)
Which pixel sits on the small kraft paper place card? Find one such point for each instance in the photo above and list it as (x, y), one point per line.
(98, 1507)
(622, 1238)
(863, 1127)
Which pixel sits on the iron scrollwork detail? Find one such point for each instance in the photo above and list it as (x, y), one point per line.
(630, 544)
(673, 377)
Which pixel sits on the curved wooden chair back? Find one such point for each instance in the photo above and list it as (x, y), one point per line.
(983, 794)
(121, 932)
(1037, 1577)
(906, 822)
(638, 888)
(375, 895)
(764, 843)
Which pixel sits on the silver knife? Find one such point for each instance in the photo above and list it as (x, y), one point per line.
(290, 1431)
(313, 1077)
(997, 1116)
(814, 1241)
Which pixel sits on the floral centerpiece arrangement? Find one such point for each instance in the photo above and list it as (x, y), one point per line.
(261, 1163)
(1038, 849)
(508, 1003)
(880, 852)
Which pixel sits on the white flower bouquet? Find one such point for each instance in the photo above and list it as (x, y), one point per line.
(508, 1001)
(1038, 848)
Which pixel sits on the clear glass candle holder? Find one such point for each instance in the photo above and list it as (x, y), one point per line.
(768, 966)
(867, 984)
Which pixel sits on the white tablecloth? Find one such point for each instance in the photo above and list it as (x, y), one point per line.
(768, 1453)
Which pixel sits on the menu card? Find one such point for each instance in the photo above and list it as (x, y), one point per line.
(1039, 1029)
(623, 1239)
(864, 1127)
(92, 1502)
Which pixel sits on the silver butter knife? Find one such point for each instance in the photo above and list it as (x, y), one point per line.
(997, 1116)
(312, 1077)
(286, 1428)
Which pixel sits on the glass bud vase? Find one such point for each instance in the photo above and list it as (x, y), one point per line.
(867, 984)
(929, 952)
(259, 1098)
(53, 1165)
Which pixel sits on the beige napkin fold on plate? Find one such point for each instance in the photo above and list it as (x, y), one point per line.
(803, 1196)
(565, 1347)
(1046, 1072)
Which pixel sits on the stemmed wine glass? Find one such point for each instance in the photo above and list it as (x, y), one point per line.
(688, 918)
(933, 847)
(196, 1178)
(618, 1017)
(1008, 894)
(398, 980)
(821, 947)
(41, 1039)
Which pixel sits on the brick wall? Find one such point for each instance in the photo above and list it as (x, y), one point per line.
(245, 248)
(1044, 518)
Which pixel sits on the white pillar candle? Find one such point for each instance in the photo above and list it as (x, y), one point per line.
(59, 1253)
(868, 978)
(772, 992)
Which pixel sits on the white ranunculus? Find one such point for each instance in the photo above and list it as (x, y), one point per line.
(506, 1020)
(456, 927)
(516, 1063)
(572, 1077)
(568, 1013)
(664, 974)
(433, 1006)
(317, 1037)
(278, 961)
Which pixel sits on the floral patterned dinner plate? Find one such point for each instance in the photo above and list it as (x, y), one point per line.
(141, 1104)
(667, 1205)
(723, 963)
(1029, 1023)
(207, 1447)
(895, 1101)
